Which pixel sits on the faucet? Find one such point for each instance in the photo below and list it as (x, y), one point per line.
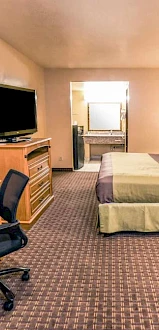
(111, 132)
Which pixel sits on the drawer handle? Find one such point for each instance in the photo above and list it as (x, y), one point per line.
(41, 199)
(39, 168)
(41, 184)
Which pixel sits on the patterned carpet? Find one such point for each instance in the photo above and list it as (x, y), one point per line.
(81, 280)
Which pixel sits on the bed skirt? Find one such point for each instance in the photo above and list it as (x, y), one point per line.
(115, 217)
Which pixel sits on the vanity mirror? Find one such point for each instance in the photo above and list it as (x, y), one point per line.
(104, 116)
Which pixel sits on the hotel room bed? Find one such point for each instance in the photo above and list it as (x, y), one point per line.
(127, 189)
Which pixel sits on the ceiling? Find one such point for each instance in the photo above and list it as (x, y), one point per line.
(83, 33)
(102, 91)
(98, 85)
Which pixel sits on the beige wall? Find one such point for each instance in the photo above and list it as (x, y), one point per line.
(18, 70)
(143, 116)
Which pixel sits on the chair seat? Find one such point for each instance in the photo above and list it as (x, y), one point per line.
(9, 244)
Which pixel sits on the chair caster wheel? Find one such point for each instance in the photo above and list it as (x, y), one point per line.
(8, 305)
(25, 277)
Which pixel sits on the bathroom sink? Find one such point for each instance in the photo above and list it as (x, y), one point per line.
(103, 135)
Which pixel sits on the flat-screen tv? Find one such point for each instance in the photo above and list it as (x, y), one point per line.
(18, 113)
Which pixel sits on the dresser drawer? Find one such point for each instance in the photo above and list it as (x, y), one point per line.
(38, 167)
(39, 183)
(40, 199)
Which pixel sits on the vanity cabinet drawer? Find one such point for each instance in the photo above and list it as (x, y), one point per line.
(117, 148)
(37, 167)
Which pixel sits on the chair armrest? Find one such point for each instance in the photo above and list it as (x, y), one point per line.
(13, 228)
(9, 228)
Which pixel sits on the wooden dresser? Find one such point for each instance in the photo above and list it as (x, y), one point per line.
(34, 159)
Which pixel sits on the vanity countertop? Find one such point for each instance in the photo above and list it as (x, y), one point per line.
(103, 135)
(107, 138)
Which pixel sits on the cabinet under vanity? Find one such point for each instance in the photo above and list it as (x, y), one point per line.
(100, 143)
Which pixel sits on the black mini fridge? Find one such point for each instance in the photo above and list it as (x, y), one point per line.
(78, 147)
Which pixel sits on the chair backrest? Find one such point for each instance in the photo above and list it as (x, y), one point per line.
(10, 193)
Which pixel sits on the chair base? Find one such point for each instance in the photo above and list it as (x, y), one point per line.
(9, 295)
(14, 270)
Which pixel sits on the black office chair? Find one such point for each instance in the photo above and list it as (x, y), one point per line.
(12, 237)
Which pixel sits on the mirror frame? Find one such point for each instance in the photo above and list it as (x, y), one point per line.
(88, 106)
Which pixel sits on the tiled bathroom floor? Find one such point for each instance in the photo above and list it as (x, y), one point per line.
(91, 166)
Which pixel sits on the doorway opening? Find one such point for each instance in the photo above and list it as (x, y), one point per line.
(99, 110)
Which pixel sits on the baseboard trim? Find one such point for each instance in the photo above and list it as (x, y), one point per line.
(62, 169)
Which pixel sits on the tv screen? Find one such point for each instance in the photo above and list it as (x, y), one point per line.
(18, 112)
